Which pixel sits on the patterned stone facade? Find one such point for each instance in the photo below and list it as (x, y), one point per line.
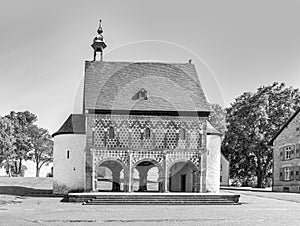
(286, 154)
(131, 140)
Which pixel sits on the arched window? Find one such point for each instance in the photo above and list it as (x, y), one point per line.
(182, 134)
(199, 140)
(147, 133)
(68, 154)
(111, 133)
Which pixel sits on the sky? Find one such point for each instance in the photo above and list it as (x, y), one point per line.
(236, 46)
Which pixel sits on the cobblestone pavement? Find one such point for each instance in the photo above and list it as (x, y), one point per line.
(257, 208)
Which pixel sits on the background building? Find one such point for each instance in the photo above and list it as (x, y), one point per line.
(286, 155)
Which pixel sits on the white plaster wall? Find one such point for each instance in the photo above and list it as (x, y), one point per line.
(213, 163)
(68, 173)
(224, 171)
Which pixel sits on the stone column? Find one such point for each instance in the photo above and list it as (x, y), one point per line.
(94, 176)
(129, 181)
(166, 176)
(88, 170)
(196, 181)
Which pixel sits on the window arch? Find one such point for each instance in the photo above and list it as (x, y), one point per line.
(200, 140)
(147, 133)
(111, 133)
(182, 134)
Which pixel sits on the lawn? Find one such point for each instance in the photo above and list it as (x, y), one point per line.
(25, 185)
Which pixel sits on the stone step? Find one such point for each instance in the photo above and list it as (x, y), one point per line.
(161, 199)
(153, 202)
(156, 197)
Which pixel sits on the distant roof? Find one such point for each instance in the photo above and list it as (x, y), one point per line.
(212, 130)
(75, 124)
(169, 87)
(284, 126)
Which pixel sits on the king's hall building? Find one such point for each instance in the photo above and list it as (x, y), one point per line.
(143, 128)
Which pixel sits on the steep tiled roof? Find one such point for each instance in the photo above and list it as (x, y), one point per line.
(75, 124)
(170, 87)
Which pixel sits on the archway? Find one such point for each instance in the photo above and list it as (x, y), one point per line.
(147, 175)
(109, 176)
(183, 177)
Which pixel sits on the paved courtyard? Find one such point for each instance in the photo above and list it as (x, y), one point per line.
(257, 208)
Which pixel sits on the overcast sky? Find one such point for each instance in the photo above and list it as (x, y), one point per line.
(236, 46)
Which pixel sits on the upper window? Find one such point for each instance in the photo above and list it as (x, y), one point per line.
(68, 154)
(111, 133)
(200, 140)
(288, 152)
(182, 134)
(147, 133)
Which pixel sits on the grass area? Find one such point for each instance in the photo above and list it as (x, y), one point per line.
(29, 182)
(25, 185)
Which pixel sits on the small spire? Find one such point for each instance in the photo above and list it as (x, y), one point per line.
(100, 30)
(98, 43)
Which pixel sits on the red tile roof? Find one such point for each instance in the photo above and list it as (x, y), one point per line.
(170, 87)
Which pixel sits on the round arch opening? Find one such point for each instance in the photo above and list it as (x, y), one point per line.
(109, 176)
(183, 177)
(147, 176)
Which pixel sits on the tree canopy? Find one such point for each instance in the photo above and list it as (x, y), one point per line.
(42, 148)
(19, 139)
(217, 117)
(253, 119)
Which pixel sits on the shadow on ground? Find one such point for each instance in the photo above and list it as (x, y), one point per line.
(25, 191)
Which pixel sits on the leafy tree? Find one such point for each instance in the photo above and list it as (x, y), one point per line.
(218, 117)
(253, 119)
(7, 147)
(42, 148)
(21, 121)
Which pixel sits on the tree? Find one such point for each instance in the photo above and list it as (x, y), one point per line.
(253, 119)
(7, 144)
(218, 117)
(21, 122)
(42, 147)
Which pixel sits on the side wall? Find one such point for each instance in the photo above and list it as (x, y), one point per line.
(68, 170)
(224, 171)
(289, 136)
(213, 163)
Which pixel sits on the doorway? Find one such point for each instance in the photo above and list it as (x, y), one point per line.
(183, 182)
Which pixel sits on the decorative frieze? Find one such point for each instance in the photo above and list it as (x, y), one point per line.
(164, 132)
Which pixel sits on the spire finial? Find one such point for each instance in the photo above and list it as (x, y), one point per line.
(98, 43)
(100, 30)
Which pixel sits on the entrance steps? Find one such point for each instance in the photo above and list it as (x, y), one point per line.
(154, 199)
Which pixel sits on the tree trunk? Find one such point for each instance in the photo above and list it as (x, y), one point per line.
(260, 178)
(9, 170)
(37, 171)
(20, 167)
